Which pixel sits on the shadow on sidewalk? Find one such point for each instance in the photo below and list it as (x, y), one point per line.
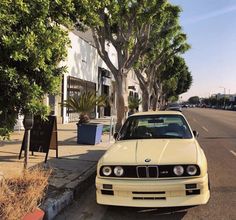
(4, 143)
(7, 158)
(68, 141)
(67, 169)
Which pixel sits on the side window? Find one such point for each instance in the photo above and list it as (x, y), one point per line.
(124, 129)
(128, 129)
(186, 129)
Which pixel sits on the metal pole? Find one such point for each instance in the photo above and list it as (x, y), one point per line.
(28, 125)
(26, 151)
(114, 125)
(111, 128)
(224, 98)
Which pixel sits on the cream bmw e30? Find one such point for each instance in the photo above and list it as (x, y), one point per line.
(155, 162)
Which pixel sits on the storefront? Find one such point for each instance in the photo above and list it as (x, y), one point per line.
(75, 87)
(105, 88)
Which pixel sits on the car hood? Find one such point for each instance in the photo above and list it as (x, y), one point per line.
(158, 151)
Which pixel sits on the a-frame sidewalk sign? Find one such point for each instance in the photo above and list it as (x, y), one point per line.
(43, 136)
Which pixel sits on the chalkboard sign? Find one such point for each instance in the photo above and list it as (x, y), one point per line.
(43, 136)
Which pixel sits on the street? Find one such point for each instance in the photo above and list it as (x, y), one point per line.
(217, 136)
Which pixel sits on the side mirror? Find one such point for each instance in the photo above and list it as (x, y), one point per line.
(115, 135)
(195, 133)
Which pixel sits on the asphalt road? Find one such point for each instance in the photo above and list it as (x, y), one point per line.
(217, 137)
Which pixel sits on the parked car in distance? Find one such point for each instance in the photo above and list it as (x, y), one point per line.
(156, 161)
(185, 106)
(173, 107)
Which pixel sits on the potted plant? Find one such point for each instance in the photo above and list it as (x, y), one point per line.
(133, 104)
(87, 133)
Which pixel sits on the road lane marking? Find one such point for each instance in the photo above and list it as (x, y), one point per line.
(233, 153)
(205, 129)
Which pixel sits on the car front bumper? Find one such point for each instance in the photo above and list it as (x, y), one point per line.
(152, 193)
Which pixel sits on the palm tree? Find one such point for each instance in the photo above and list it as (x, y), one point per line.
(84, 104)
(133, 103)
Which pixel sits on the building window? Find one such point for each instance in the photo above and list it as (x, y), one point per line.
(131, 93)
(75, 87)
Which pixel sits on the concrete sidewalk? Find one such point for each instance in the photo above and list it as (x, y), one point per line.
(72, 171)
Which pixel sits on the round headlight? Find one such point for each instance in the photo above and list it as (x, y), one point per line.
(178, 170)
(118, 171)
(191, 170)
(106, 171)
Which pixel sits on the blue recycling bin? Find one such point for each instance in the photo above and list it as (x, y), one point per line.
(90, 133)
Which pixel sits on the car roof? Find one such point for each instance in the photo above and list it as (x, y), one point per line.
(157, 113)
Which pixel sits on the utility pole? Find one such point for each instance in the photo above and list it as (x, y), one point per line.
(224, 95)
(224, 98)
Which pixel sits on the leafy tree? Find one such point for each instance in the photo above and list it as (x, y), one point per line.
(194, 100)
(124, 24)
(32, 44)
(212, 101)
(167, 40)
(176, 78)
(173, 99)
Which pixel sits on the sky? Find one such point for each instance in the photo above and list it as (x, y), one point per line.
(211, 29)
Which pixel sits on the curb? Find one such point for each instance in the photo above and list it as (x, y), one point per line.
(53, 206)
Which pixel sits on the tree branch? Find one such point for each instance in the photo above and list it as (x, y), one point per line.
(140, 77)
(100, 43)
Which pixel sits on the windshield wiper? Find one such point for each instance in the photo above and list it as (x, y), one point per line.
(134, 138)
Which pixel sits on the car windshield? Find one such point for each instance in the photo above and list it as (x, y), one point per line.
(157, 126)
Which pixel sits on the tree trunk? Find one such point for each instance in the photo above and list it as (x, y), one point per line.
(145, 91)
(155, 97)
(120, 102)
(163, 102)
(145, 100)
(154, 103)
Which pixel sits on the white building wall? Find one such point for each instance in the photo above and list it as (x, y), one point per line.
(83, 61)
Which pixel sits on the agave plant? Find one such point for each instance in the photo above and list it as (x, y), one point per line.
(84, 104)
(133, 103)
